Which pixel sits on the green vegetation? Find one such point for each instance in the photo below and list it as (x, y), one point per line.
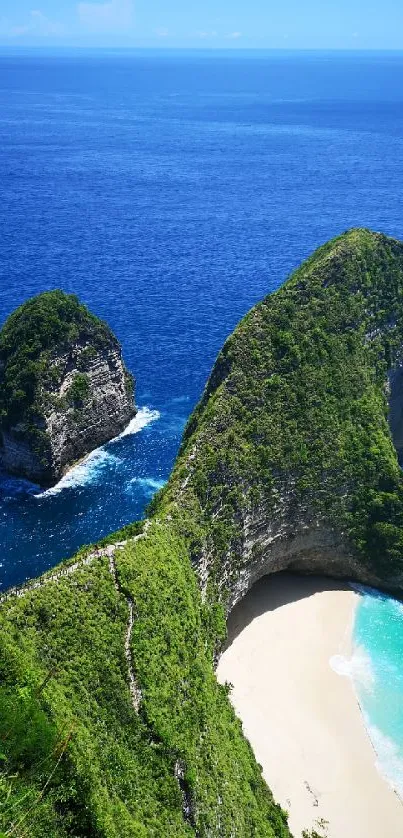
(128, 531)
(297, 405)
(296, 400)
(320, 830)
(34, 332)
(79, 390)
(103, 769)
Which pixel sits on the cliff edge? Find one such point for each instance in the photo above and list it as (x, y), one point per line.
(64, 389)
(112, 722)
(291, 459)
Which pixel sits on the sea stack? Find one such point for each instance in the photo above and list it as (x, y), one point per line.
(64, 388)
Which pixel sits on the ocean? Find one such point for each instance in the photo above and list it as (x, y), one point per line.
(171, 191)
(377, 675)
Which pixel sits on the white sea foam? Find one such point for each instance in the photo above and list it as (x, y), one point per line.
(358, 668)
(142, 418)
(149, 485)
(89, 470)
(365, 590)
(389, 759)
(341, 665)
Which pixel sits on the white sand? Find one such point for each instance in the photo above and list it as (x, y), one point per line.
(301, 718)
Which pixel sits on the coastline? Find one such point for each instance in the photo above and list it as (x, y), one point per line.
(287, 641)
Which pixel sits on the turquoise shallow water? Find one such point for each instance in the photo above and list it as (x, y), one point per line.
(377, 672)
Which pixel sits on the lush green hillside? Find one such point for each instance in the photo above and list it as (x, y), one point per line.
(78, 758)
(297, 408)
(111, 721)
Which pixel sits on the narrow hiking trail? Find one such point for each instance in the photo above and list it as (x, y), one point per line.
(135, 691)
(108, 552)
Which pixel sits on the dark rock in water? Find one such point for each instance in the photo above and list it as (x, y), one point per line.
(64, 389)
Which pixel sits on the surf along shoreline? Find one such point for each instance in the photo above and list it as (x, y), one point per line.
(289, 645)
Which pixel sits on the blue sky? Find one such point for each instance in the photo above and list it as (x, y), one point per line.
(288, 24)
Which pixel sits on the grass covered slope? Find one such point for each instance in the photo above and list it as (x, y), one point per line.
(79, 756)
(292, 437)
(112, 723)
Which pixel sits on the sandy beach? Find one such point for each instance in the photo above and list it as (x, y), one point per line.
(301, 717)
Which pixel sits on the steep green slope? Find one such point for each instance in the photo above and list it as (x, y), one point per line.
(111, 720)
(82, 755)
(289, 459)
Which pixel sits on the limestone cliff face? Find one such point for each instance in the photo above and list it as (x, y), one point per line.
(291, 459)
(82, 397)
(306, 545)
(73, 429)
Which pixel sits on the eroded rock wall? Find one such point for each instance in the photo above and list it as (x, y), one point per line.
(73, 426)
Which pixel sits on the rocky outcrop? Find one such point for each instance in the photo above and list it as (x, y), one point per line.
(312, 547)
(83, 397)
(288, 542)
(291, 459)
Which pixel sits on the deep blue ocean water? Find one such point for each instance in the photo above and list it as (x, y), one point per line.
(171, 192)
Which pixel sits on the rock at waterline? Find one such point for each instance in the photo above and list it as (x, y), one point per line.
(64, 388)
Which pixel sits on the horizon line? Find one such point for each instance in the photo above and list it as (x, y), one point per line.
(205, 48)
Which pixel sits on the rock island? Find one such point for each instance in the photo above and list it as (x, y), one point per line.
(64, 389)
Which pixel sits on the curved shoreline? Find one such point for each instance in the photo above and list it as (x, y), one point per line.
(301, 717)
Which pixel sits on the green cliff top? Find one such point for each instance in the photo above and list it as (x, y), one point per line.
(297, 406)
(293, 425)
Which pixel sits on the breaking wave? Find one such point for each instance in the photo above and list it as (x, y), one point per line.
(91, 468)
(358, 668)
(377, 677)
(389, 758)
(142, 418)
(88, 471)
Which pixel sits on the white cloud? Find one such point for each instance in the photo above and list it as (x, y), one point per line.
(204, 35)
(233, 36)
(161, 32)
(113, 16)
(37, 25)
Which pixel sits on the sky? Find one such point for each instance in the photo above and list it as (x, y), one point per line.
(290, 24)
